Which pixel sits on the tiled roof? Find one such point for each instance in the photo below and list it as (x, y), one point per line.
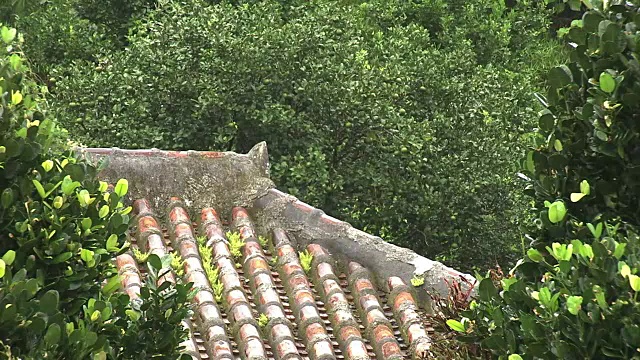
(334, 310)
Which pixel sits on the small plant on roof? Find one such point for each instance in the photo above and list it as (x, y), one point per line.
(274, 260)
(417, 280)
(141, 257)
(212, 274)
(201, 240)
(264, 242)
(205, 252)
(207, 263)
(263, 320)
(218, 289)
(177, 264)
(235, 244)
(305, 260)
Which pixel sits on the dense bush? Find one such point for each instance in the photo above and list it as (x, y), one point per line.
(60, 230)
(55, 36)
(371, 111)
(575, 295)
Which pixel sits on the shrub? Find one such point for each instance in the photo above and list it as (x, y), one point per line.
(60, 232)
(56, 36)
(575, 294)
(376, 121)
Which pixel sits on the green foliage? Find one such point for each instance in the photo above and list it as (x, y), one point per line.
(155, 329)
(177, 264)
(235, 244)
(306, 258)
(141, 257)
(60, 230)
(417, 280)
(56, 36)
(403, 118)
(212, 272)
(263, 320)
(116, 15)
(264, 241)
(575, 294)
(218, 290)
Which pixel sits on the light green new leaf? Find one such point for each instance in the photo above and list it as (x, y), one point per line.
(104, 211)
(575, 197)
(9, 257)
(557, 145)
(625, 270)
(585, 188)
(86, 255)
(8, 34)
(619, 251)
(47, 165)
(595, 231)
(122, 187)
(634, 281)
(574, 304)
(133, 315)
(455, 325)
(534, 255)
(86, 223)
(607, 82)
(112, 243)
(557, 211)
(39, 187)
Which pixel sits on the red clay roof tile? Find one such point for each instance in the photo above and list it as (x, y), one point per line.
(335, 316)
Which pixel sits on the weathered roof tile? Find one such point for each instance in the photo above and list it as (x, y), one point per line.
(269, 305)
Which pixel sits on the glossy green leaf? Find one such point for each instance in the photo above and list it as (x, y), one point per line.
(455, 325)
(560, 76)
(7, 34)
(557, 145)
(104, 211)
(47, 165)
(619, 251)
(86, 223)
(534, 255)
(133, 315)
(607, 82)
(112, 243)
(575, 197)
(595, 231)
(3, 268)
(6, 198)
(53, 335)
(574, 304)
(557, 212)
(154, 261)
(39, 188)
(634, 281)
(68, 185)
(84, 198)
(487, 290)
(49, 302)
(112, 285)
(625, 270)
(9, 257)
(86, 255)
(122, 187)
(584, 187)
(62, 258)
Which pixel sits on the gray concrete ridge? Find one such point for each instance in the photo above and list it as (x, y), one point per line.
(223, 180)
